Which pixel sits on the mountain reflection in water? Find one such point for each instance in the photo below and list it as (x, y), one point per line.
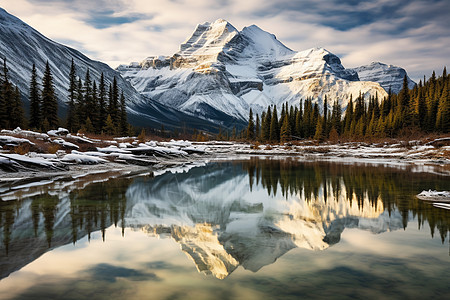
(225, 214)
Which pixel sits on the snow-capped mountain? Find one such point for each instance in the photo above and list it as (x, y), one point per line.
(22, 46)
(222, 71)
(388, 76)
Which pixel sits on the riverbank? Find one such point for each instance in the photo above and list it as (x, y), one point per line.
(31, 156)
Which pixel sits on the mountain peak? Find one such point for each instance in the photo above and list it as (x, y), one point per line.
(390, 77)
(208, 40)
(265, 42)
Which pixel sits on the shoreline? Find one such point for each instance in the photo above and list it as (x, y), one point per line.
(78, 155)
(437, 166)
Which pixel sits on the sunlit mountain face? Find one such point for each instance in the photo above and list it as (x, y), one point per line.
(222, 215)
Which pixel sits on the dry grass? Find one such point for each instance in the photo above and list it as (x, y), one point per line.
(53, 148)
(255, 145)
(22, 149)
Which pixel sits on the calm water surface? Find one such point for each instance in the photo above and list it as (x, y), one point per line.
(252, 229)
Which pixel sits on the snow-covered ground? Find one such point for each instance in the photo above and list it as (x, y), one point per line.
(78, 152)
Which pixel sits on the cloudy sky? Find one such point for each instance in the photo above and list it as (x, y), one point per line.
(413, 34)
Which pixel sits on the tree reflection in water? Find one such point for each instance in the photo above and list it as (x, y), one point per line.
(322, 198)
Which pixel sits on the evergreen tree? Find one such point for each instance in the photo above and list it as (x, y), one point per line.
(251, 127)
(274, 129)
(113, 108)
(443, 115)
(88, 127)
(49, 107)
(80, 105)
(421, 107)
(257, 128)
(285, 130)
(336, 117)
(5, 97)
(102, 107)
(17, 115)
(292, 115)
(72, 113)
(267, 124)
(298, 123)
(95, 108)
(35, 110)
(89, 104)
(404, 104)
(348, 118)
(386, 106)
(123, 116)
(320, 130)
(109, 127)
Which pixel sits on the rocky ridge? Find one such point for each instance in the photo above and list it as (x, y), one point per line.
(220, 73)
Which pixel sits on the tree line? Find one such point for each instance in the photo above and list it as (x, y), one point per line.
(11, 108)
(91, 108)
(96, 109)
(425, 108)
(371, 185)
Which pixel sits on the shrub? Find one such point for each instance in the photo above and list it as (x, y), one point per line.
(22, 149)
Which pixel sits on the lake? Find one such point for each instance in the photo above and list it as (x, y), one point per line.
(255, 228)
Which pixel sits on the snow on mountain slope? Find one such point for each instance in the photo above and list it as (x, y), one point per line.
(222, 71)
(22, 46)
(208, 41)
(388, 76)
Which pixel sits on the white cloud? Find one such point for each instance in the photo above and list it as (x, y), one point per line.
(170, 22)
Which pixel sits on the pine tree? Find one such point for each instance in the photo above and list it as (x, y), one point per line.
(17, 115)
(298, 123)
(35, 117)
(102, 107)
(285, 130)
(348, 118)
(292, 115)
(404, 104)
(72, 114)
(267, 123)
(95, 114)
(336, 117)
(113, 108)
(421, 107)
(274, 128)
(320, 130)
(49, 107)
(123, 116)
(257, 128)
(88, 127)
(80, 105)
(5, 97)
(250, 127)
(307, 119)
(443, 115)
(89, 105)
(109, 127)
